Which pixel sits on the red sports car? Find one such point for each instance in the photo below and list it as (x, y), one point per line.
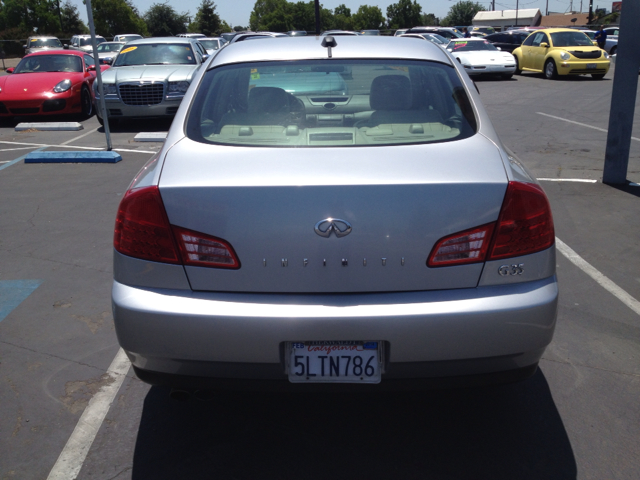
(50, 82)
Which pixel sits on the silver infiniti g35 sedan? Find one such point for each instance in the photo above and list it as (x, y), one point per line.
(300, 227)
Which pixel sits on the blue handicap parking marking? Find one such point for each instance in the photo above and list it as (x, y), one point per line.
(13, 293)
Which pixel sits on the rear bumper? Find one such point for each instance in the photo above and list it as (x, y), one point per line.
(491, 69)
(484, 330)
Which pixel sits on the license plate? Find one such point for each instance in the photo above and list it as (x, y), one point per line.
(334, 362)
(592, 65)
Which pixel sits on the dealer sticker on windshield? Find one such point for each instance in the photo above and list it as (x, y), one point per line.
(334, 362)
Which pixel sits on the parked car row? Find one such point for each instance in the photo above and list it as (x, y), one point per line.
(151, 76)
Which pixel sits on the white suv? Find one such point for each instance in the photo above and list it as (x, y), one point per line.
(83, 42)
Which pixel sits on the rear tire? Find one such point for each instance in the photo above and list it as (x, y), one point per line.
(100, 120)
(86, 103)
(613, 50)
(597, 76)
(550, 70)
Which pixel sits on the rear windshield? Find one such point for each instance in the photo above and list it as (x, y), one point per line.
(337, 103)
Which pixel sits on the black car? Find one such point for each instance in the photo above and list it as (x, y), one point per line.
(507, 41)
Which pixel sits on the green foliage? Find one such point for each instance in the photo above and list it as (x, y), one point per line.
(71, 22)
(368, 18)
(429, 19)
(404, 14)
(113, 17)
(462, 13)
(30, 16)
(163, 21)
(270, 15)
(207, 21)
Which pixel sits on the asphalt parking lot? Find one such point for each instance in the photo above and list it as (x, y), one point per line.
(578, 417)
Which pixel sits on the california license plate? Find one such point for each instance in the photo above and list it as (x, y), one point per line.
(591, 65)
(334, 362)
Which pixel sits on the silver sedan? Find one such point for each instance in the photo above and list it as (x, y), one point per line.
(300, 228)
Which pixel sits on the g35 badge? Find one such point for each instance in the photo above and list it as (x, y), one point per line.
(506, 270)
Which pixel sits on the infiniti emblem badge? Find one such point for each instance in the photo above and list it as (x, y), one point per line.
(325, 227)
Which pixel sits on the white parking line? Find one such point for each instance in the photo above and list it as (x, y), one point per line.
(581, 180)
(80, 136)
(13, 149)
(73, 146)
(581, 124)
(603, 281)
(75, 451)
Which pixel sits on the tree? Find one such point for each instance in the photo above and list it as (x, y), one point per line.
(462, 13)
(368, 18)
(303, 16)
(207, 20)
(342, 19)
(30, 16)
(404, 14)
(429, 19)
(271, 15)
(70, 18)
(163, 21)
(113, 17)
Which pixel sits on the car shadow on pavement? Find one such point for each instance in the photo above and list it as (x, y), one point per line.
(138, 125)
(505, 432)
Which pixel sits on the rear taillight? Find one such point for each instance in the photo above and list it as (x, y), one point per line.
(142, 227)
(143, 231)
(525, 224)
(202, 250)
(470, 246)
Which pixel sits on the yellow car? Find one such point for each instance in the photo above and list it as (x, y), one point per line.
(561, 51)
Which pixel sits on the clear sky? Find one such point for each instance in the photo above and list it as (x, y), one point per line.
(236, 12)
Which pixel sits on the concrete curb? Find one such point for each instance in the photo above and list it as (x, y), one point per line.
(49, 126)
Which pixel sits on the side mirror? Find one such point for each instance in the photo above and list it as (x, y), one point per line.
(24, 46)
(10, 70)
(204, 58)
(498, 48)
(65, 46)
(544, 45)
(91, 68)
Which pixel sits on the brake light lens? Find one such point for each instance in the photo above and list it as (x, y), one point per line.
(469, 246)
(143, 231)
(525, 224)
(202, 250)
(142, 227)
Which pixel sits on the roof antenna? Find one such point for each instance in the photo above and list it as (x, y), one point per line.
(329, 42)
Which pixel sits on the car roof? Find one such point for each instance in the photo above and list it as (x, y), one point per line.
(309, 47)
(43, 36)
(472, 39)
